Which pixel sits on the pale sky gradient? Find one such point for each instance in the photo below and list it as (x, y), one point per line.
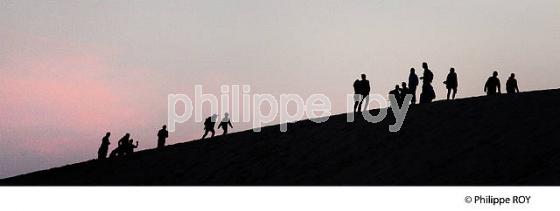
(72, 70)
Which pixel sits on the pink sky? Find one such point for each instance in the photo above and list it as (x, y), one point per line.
(72, 70)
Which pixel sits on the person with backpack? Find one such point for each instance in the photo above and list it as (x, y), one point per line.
(209, 124)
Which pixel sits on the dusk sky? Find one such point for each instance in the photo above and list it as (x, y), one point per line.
(72, 70)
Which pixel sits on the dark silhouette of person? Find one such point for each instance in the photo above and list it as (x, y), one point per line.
(404, 91)
(451, 84)
(492, 86)
(209, 124)
(225, 123)
(104, 148)
(397, 94)
(428, 94)
(511, 85)
(121, 148)
(129, 147)
(413, 84)
(162, 135)
(357, 95)
(364, 92)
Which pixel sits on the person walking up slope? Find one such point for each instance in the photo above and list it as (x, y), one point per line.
(225, 123)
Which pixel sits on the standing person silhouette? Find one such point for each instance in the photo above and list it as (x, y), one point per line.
(451, 84)
(492, 86)
(413, 84)
(104, 148)
(357, 95)
(511, 85)
(364, 92)
(162, 135)
(225, 123)
(428, 94)
(209, 124)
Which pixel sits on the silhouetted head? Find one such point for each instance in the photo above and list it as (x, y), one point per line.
(512, 75)
(130, 141)
(363, 76)
(214, 116)
(412, 70)
(226, 114)
(164, 127)
(425, 65)
(452, 70)
(495, 74)
(108, 134)
(397, 87)
(127, 134)
(403, 84)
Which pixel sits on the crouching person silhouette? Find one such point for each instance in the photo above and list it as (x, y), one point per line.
(209, 124)
(120, 150)
(128, 149)
(225, 123)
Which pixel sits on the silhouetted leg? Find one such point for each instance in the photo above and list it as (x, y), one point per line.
(448, 93)
(225, 131)
(413, 90)
(113, 153)
(366, 101)
(205, 133)
(213, 132)
(161, 143)
(454, 93)
(360, 106)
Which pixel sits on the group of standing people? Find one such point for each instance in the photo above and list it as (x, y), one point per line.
(362, 89)
(492, 87)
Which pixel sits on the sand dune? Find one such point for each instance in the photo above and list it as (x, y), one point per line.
(504, 140)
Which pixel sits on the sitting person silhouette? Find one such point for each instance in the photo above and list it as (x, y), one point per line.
(404, 91)
(128, 149)
(162, 135)
(209, 124)
(104, 148)
(121, 148)
(396, 93)
(451, 84)
(511, 85)
(492, 86)
(225, 123)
